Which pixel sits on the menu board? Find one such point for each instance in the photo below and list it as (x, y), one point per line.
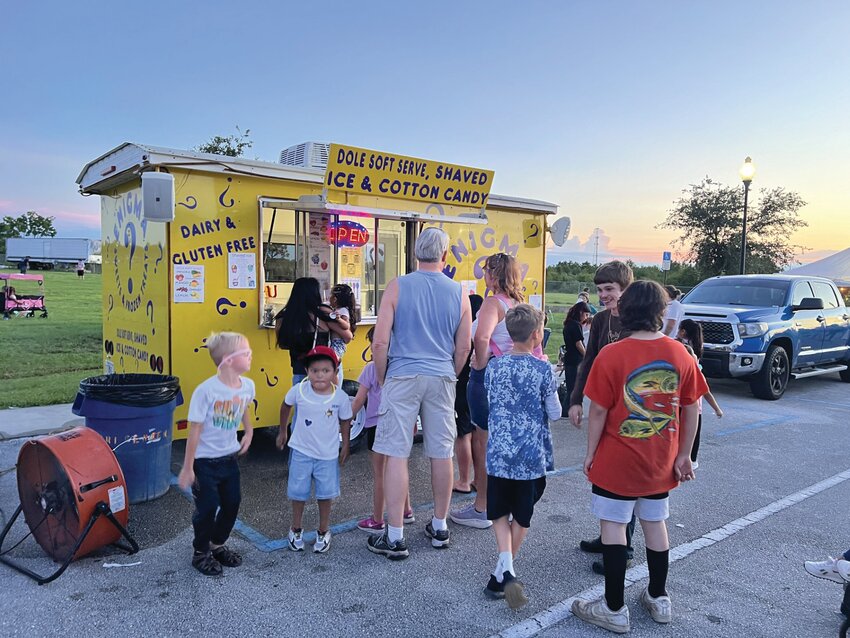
(188, 283)
(319, 250)
(241, 270)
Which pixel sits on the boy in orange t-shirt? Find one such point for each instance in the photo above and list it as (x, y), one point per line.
(644, 391)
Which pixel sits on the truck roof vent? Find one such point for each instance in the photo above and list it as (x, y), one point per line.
(306, 154)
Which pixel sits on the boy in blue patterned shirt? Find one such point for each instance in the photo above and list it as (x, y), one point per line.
(523, 398)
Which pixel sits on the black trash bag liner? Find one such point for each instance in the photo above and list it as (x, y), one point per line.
(135, 390)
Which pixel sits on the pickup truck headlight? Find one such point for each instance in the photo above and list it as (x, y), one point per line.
(756, 329)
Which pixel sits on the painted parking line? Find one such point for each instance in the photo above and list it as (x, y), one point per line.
(757, 425)
(561, 611)
(828, 404)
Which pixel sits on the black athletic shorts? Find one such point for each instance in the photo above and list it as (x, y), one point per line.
(510, 496)
(370, 437)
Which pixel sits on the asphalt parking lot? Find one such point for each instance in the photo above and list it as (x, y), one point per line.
(772, 491)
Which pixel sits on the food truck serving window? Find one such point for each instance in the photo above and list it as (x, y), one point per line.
(363, 252)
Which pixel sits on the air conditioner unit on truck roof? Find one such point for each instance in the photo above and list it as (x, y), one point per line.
(306, 154)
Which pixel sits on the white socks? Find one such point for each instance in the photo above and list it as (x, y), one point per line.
(395, 533)
(438, 524)
(505, 564)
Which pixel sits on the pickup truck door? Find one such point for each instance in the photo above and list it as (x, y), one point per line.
(836, 321)
(810, 331)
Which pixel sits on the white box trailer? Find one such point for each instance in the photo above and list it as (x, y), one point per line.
(47, 252)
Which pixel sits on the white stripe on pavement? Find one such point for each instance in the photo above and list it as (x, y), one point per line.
(561, 611)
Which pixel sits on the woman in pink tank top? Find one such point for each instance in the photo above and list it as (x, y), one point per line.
(490, 338)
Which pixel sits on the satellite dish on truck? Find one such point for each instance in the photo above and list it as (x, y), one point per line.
(560, 230)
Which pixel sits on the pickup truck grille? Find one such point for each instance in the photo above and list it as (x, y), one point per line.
(717, 332)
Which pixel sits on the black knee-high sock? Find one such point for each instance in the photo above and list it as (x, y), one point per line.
(614, 559)
(695, 448)
(657, 562)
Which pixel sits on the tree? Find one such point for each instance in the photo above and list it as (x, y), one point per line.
(232, 145)
(29, 224)
(709, 218)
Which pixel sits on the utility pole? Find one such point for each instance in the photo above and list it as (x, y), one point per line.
(596, 248)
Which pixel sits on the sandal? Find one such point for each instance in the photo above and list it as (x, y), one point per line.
(227, 556)
(206, 564)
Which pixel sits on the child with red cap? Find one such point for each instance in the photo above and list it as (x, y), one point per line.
(323, 410)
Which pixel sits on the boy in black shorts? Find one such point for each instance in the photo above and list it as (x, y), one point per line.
(523, 399)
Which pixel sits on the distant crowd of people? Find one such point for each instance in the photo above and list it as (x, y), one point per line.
(473, 372)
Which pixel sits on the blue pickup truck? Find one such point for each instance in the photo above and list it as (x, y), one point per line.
(768, 329)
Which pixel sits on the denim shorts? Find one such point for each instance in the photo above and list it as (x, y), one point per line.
(305, 471)
(476, 396)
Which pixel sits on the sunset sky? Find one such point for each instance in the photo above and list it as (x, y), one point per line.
(608, 109)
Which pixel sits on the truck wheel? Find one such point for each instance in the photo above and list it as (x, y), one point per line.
(772, 380)
(845, 374)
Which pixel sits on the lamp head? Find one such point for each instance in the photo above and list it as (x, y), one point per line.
(747, 171)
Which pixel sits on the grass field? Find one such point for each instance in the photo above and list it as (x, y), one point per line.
(43, 360)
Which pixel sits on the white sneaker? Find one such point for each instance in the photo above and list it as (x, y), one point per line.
(661, 608)
(835, 569)
(296, 540)
(323, 542)
(596, 612)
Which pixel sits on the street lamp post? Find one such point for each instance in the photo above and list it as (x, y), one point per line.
(747, 172)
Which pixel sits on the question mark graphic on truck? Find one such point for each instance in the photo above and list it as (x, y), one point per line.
(149, 313)
(159, 259)
(130, 242)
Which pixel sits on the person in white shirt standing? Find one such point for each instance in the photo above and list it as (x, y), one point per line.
(323, 411)
(218, 406)
(674, 314)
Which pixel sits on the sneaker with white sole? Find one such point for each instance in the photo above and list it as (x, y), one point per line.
(439, 537)
(370, 525)
(470, 517)
(835, 569)
(381, 544)
(596, 612)
(323, 542)
(296, 540)
(661, 608)
(409, 517)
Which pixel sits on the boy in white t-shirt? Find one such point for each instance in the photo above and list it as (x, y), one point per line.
(218, 406)
(314, 453)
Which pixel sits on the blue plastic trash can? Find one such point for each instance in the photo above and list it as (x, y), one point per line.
(134, 413)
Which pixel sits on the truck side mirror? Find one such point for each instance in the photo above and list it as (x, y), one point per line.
(809, 303)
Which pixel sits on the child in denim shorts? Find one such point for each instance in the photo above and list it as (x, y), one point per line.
(314, 453)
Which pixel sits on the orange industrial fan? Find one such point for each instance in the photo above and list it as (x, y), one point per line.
(73, 497)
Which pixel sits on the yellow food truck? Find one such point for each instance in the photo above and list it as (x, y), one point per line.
(195, 243)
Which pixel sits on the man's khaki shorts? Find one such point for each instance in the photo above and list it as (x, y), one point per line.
(405, 398)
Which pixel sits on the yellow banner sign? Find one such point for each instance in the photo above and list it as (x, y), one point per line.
(365, 172)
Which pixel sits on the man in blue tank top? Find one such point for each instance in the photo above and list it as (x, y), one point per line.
(422, 340)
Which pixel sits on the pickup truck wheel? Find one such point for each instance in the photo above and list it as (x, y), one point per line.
(772, 380)
(845, 374)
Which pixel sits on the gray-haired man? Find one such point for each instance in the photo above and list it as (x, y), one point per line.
(422, 340)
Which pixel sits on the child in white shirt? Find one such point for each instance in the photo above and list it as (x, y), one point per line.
(218, 406)
(314, 452)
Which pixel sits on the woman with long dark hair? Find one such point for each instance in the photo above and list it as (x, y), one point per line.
(574, 342)
(306, 322)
